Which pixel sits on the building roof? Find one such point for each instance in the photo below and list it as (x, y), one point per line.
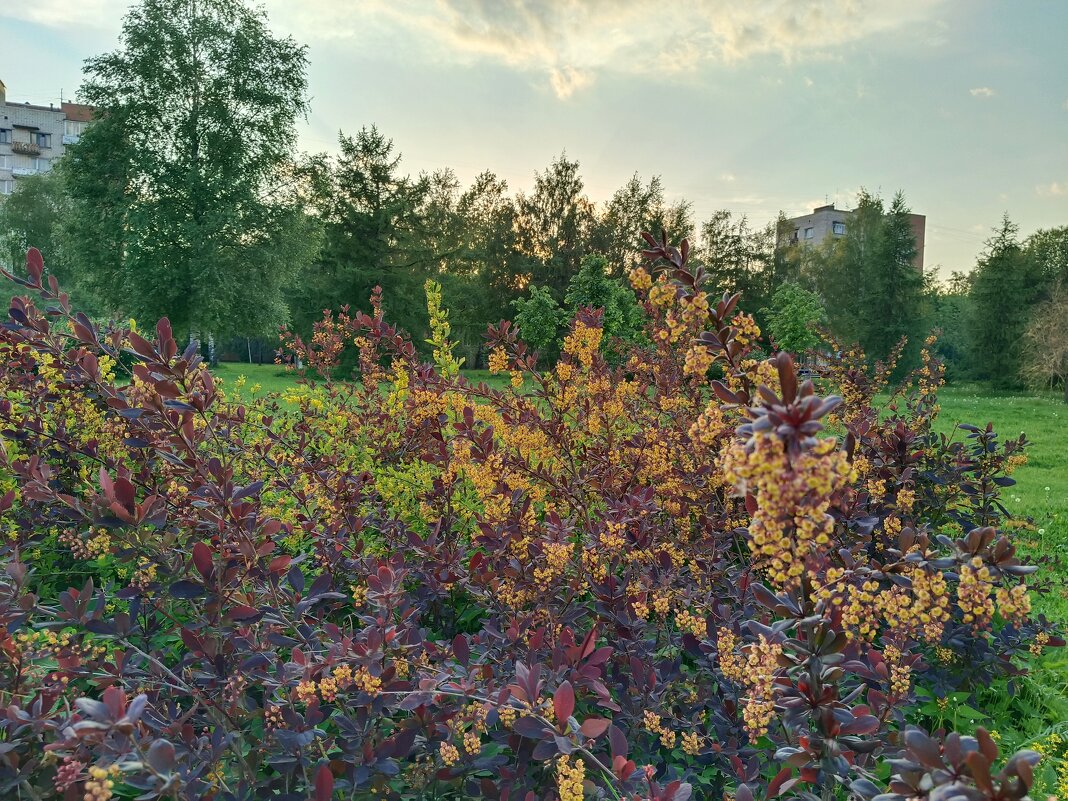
(77, 112)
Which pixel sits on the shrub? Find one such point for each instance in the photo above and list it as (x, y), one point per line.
(600, 581)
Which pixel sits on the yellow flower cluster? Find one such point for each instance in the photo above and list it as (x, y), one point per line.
(695, 624)
(100, 783)
(973, 593)
(791, 521)
(450, 754)
(1014, 604)
(640, 279)
(710, 427)
(342, 678)
(900, 673)
(755, 670)
(662, 294)
(582, 343)
(507, 715)
(698, 360)
(655, 726)
(557, 555)
(1041, 640)
(746, 329)
(921, 611)
(691, 743)
(569, 778)
(498, 360)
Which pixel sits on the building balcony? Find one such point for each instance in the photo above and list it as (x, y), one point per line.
(70, 139)
(21, 172)
(26, 148)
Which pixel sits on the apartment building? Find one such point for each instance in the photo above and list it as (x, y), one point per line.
(33, 137)
(827, 221)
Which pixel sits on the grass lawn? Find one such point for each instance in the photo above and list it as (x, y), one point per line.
(1041, 492)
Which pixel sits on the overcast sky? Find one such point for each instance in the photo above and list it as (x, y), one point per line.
(751, 106)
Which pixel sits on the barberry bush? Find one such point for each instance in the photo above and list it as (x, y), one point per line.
(678, 573)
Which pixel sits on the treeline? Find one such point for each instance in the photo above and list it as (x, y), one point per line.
(187, 198)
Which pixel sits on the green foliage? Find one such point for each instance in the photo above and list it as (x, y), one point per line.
(1004, 286)
(376, 230)
(637, 207)
(184, 185)
(540, 320)
(554, 223)
(792, 318)
(739, 258)
(593, 287)
(874, 294)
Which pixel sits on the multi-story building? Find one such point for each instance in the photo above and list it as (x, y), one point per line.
(33, 137)
(827, 221)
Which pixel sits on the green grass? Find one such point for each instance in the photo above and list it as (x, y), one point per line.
(1041, 491)
(270, 377)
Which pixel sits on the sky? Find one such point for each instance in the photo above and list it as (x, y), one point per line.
(755, 106)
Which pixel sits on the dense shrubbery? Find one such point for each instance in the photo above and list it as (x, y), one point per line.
(611, 579)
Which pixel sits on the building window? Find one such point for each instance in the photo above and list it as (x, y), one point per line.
(5, 162)
(6, 186)
(41, 165)
(809, 233)
(42, 139)
(5, 136)
(838, 228)
(73, 128)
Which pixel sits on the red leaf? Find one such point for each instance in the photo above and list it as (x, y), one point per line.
(594, 727)
(324, 783)
(776, 784)
(564, 702)
(461, 649)
(34, 265)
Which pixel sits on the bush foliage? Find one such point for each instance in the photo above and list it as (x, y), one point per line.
(615, 578)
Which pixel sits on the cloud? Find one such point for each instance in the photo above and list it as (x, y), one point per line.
(566, 81)
(1055, 189)
(728, 177)
(65, 14)
(982, 91)
(566, 43)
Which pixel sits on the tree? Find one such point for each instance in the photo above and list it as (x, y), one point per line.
(31, 217)
(1005, 285)
(592, 286)
(793, 316)
(637, 207)
(874, 293)
(738, 257)
(951, 312)
(539, 319)
(1048, 247)
(1045, 352)
(894, 287)
(185, 182)
(554, 224)
(374, 233)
